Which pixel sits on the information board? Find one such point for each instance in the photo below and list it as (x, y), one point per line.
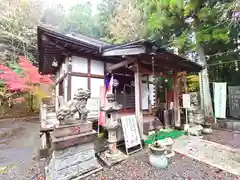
(220, 99)
(234, 101)
(186, 101)
(130, 131)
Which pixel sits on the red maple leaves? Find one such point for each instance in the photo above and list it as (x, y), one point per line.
(30, 76)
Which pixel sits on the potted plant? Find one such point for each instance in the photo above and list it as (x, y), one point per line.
(157, 157)
(207, 126)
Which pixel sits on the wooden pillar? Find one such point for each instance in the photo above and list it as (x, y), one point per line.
(138, 98)
(176, 107)
(69, 78)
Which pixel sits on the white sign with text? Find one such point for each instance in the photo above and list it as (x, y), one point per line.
(130, 131)
(220, 99)
(186, 101)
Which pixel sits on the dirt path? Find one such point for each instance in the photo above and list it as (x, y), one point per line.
(18, 147)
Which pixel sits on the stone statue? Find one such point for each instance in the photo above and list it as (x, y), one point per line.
(67, 110)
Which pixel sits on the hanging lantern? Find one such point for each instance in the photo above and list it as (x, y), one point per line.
(115, 82)
(54, 63)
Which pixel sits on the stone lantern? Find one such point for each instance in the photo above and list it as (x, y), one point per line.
(111, 109)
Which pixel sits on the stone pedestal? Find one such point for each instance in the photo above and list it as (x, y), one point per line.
(73, 154)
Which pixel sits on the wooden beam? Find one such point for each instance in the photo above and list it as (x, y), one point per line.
(86, 75)
(121, 64)
(125, 51)
(148, 71)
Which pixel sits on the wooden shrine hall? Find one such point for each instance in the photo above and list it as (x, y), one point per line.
(81, 61)
(146, 58)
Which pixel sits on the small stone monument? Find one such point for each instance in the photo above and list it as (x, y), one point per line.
(196, 114)
(73, 154)
(112, 155)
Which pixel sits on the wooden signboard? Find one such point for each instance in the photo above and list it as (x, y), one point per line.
(131, 133)
(220, 99)
(186, 104)
(234, 101)
(186, 101)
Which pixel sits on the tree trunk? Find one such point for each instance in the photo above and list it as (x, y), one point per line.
(206, 100)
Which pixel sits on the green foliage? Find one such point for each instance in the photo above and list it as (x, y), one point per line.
(126, 24)
(106, 11)
(81, 19)
(193, 83)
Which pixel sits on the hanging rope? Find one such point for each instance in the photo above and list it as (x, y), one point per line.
(154, 93)
(154, 79)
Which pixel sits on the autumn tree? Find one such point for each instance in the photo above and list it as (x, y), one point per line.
(28, 82)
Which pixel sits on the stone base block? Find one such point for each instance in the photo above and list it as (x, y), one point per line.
(69, 141)
(73, 129)
(76, 171)
(111, 159)
(43, 153)
(73, 163)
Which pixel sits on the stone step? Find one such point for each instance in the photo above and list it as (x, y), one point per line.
(229, 124)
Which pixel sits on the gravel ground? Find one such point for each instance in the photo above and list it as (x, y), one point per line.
(180, 167)
(18, 150)
(228, 138)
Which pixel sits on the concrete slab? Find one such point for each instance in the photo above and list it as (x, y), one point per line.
(216, 155)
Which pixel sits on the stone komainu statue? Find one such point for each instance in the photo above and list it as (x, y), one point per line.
(66, 112)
